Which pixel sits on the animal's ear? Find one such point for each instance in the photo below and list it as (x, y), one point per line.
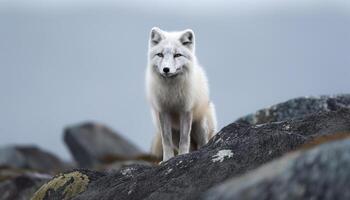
(156, 36)
(187, 39)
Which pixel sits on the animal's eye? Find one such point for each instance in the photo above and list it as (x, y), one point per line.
(177, 55)
(160, 55)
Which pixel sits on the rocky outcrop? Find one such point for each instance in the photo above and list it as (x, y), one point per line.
(296, 108)
(91, 144)
(236, 149)
(310, 137)
(31, 157)
(320, 173)
(22, 187)
(66, 186)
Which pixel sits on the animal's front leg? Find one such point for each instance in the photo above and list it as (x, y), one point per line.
(185, 131)
(167, 140)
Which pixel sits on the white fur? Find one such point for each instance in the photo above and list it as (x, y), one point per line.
(182, 112)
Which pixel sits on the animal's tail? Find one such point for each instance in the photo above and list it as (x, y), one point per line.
(157, 148)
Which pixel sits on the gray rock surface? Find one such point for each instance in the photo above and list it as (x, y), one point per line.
(319, 173)
(22, 187)
(31, 157)
(91, 143)
(116, 166)
(297, 107)
(236, 149)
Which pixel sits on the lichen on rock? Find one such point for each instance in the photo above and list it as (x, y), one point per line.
(66, 185)
(222, 154)
(296, 108)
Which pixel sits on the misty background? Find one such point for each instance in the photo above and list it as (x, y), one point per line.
(66, 62)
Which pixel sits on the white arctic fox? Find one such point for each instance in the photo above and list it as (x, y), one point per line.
(177, 90)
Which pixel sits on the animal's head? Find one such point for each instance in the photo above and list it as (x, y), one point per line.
(171, 53)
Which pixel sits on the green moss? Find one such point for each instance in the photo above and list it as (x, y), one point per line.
(64, 186)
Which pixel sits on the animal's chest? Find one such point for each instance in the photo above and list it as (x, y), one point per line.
(174, 98)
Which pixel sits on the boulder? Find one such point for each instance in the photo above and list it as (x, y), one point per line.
(236, 149)
(66, 186)
(22, 187)
(319, 173)
(295, 108)
(31, 157)
(91, 143)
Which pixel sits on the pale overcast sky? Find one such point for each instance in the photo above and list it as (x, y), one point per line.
(184, 5)
(67, 61)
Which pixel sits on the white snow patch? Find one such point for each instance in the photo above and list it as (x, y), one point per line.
(258, 125)
(220, 156)
(38, 175)
(126, 171)
(218, 140)
(286, 127)
(168, 171)
(179, 163)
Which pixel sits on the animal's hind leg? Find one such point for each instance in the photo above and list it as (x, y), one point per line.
(200, 133)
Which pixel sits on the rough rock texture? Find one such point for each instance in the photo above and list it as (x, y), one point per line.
(67, 185)
(320, 173)
(234, 150)
(295, 108)
(116, 166)
(30, 157)
(22, 187)
(90, 143)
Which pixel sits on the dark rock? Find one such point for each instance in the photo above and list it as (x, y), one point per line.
(236, 149)
(22, 187)
(67, 185)
(31, 157)
(7, 172)
(118, 165)
(91, 143)
(295, 108)
(320, 173)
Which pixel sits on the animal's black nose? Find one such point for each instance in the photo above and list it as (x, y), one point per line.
(166, 70)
